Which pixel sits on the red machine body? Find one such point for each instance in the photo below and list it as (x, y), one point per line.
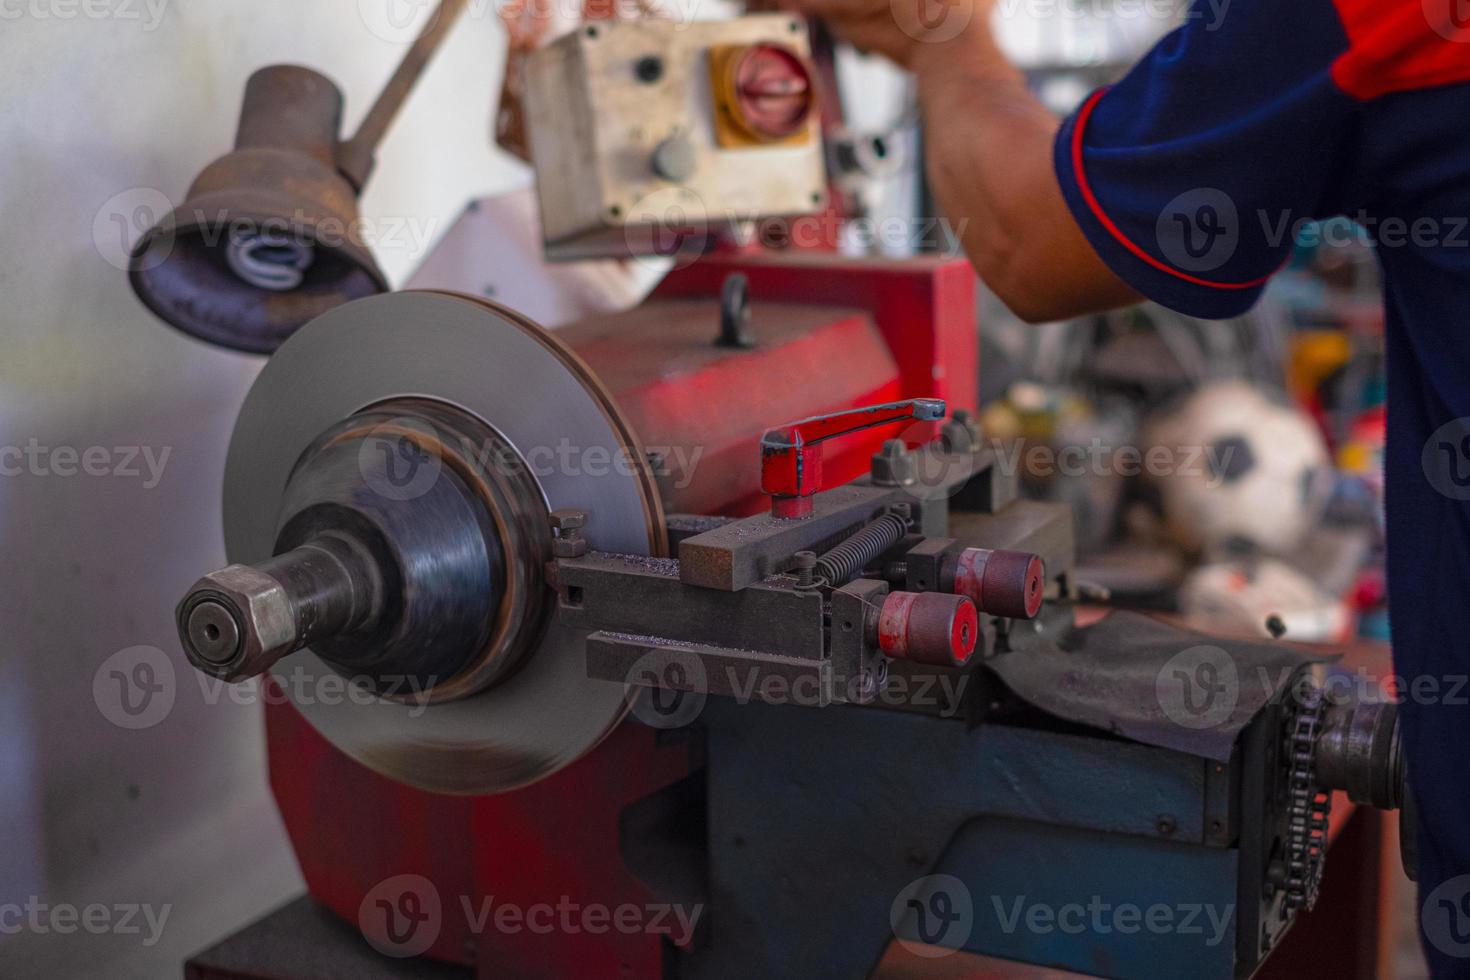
(832, 334)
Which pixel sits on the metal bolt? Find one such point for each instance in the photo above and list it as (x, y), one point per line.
(567, 525)
(803, 564)
(1165, 825)
(893, 465)
(960, 434)
(735, 313)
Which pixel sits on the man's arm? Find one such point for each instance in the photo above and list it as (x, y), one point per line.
(988, 146)
(988, 142)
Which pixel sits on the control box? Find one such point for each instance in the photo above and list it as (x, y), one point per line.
(650, 135)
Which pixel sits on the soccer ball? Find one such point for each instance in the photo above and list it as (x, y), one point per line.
(1237, 471)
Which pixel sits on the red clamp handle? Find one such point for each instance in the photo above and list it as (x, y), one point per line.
(791, 455)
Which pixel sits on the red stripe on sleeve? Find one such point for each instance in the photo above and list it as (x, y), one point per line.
(1083, 115)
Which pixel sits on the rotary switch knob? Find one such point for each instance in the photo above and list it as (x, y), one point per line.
(765, 93)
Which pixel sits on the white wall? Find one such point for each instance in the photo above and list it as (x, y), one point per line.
(104, 105)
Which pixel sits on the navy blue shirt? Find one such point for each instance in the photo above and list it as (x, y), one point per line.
(1190, 176)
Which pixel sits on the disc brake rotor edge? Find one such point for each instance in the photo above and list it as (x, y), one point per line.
(515, 377)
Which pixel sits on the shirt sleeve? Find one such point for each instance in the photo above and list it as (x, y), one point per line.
(1191, 175)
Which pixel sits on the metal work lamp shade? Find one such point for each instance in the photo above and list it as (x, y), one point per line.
(269, 236)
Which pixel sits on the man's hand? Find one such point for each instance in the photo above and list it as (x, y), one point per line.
(988, 147)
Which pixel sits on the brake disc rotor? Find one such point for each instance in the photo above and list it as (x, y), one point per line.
(516, 378)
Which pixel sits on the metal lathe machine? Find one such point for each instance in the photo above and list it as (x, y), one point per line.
(707, 639)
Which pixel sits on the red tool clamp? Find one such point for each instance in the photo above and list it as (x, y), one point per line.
(791, 455)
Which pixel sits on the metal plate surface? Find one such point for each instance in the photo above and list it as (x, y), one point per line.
(516, 378)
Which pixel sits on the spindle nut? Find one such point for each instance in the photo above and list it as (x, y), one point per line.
(251, 603)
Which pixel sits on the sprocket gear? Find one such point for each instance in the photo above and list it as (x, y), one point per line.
(1310, 804)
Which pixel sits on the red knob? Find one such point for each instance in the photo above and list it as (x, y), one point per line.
(1002, 583)
(928, 627)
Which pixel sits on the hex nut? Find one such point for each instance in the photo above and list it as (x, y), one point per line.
(268, 624)
(894, 465)
(569, 547)
(960, 434)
